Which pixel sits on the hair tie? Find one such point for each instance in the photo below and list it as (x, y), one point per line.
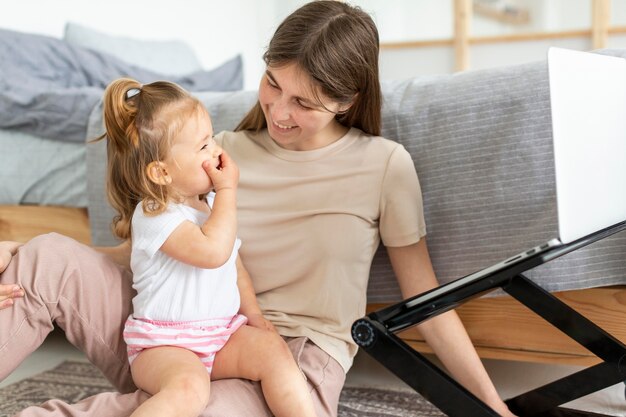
(132, 93)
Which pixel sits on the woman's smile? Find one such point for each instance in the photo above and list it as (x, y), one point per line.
(282, 127)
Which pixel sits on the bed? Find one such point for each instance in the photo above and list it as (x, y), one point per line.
(481, 144)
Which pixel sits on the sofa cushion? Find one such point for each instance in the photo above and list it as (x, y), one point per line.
(35, 170)
(166, 57)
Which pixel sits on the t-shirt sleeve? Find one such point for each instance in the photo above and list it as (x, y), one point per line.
(150, 232)
(401, 207)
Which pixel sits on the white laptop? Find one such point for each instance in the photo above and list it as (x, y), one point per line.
(588, 102)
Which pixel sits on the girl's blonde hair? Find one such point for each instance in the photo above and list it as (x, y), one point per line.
(337, 46)
(141, 122)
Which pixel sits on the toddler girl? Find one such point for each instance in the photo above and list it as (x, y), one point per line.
(174, 190)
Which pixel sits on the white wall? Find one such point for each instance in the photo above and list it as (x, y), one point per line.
(545, 16)
(219, 29)
(216, 29)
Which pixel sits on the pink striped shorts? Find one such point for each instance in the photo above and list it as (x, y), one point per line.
(204, 338)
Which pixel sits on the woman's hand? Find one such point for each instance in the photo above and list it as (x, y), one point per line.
(259, 321)
(8, 293)
(7, 250)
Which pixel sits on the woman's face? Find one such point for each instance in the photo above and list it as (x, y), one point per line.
(295, 118)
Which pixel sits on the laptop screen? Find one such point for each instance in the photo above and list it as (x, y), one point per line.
(588, 101)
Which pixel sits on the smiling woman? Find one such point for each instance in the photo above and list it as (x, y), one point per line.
(311, 219)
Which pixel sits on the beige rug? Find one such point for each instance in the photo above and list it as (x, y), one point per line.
(73, 381)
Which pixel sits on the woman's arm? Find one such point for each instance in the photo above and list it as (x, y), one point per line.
(249, 305)
(445, 333)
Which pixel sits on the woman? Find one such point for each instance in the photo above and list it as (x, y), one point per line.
(318, 191)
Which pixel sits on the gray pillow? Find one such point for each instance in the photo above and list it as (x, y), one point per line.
(49, 87)
(165, 57)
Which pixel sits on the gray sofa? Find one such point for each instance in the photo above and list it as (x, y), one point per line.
(481, 143)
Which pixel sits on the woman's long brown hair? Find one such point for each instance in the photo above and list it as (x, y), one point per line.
(337, 46)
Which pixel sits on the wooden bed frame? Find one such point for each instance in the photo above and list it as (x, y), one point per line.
(500, 327)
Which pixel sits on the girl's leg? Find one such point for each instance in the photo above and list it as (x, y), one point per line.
(262, 355)
(325, 378)
(176, 378)
(229, 397)
(71, 285)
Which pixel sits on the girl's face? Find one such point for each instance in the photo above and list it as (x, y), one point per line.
(295, 119)
(193, 145)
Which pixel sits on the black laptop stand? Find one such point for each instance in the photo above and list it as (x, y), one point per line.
(375, 333)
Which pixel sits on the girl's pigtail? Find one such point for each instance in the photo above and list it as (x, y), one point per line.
(121, 100)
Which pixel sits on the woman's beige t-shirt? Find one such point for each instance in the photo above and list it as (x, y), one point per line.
(310, 222)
